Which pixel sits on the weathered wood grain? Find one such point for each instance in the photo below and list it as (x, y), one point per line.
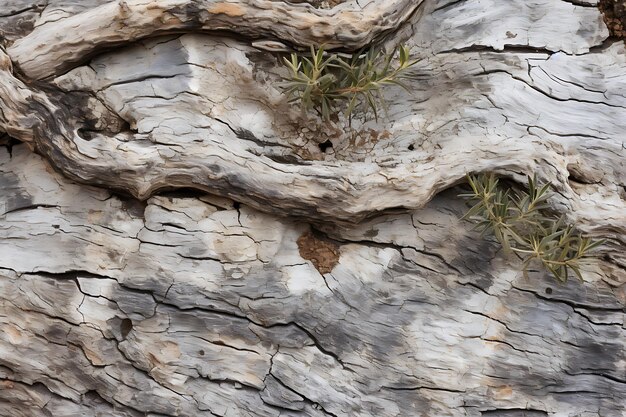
(187, 243)
(192, 306)
(53, 47)
(243, 142)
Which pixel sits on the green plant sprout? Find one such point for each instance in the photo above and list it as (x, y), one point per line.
(519, 223)
(324, 80)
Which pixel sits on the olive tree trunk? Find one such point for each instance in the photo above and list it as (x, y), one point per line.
(176, 239)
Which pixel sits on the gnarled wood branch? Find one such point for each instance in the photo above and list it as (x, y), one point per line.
(210, 154)
(52, 48)
(174, 302)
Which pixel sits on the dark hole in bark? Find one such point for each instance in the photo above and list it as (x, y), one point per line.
(125, 327)
(92, 396)
(90, 130)
(183, 192)
(132, 206)
(201, 352)
(411, 147)
(325, 145)
(548, 290)
(125, 127)
(236, 205)
(9, 143)
(86, 134)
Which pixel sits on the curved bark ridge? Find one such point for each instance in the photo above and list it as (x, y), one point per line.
(188, 304)
(195, 306)
(205, 112)
(46, 50)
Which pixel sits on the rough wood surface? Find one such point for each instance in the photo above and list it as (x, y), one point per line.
(195, 306)
(311, 280)
(199, 107)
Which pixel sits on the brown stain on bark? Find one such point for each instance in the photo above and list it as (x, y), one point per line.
(14, 335)
(229, 9)
(6, 385)
(323, 253)
(503, 393)
(93, 357)
(614, 12)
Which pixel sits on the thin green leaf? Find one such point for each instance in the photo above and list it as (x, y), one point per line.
(516, 221)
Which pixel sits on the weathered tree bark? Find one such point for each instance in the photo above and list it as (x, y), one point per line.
(175, 241)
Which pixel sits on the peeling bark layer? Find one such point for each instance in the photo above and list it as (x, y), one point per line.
(243, 259)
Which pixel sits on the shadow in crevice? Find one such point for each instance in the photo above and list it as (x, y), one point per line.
(8, 142)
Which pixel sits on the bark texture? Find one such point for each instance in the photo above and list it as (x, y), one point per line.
(183, 242)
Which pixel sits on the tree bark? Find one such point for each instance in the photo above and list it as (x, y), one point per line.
(178, 240)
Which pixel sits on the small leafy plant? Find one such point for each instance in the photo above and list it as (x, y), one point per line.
(324, 81)
(518, 221)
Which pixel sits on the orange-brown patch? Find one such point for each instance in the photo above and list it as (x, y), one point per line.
(614, 13)
(503, 392)
(14, 335)
(323, 253)
(154, 361)
(6, 384)
(229, 9)
(93, 357)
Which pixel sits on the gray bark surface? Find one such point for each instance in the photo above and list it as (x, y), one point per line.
(174, 242)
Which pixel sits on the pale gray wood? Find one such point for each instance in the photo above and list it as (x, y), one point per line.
(52, 47)
(189, 306)
(133, 281)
